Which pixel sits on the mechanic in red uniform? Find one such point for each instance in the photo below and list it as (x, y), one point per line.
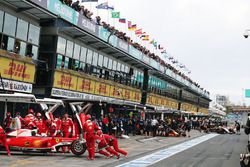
(7, 121)
(30, 119)
(58, 123)
(112, 141)
(103, 141)
(40, 124)
(3, 140)
(67, 128)
(52, 128)
(89, 128)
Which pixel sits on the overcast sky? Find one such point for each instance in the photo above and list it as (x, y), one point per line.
(205, 35)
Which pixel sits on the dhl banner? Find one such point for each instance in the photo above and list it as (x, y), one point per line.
(17, 70)
(162, 101)
(188, 107)
(203, 110)
(67, 81)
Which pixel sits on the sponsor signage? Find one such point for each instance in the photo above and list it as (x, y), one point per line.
(145, 59)
(247, 93)
(42, 3)
(135, 53)
(104, 35)
(67, 81)
(64, 11)
(17, 70)
(122, 45)
(15, 86)
(188, 107)
(162, 101)
(87, 25)
(78, 95)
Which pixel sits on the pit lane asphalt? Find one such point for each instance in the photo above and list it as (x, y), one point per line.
(136, 146)
(220, 151)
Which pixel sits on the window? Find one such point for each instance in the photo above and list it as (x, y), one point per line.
(118, 66)
(10, 44)
(66, 62)
(59, 61)
(35, 52)
(110, 64)
(9, 24)
(83, 54)
(122, 68)
(95, 59)
(100, 60)
(126, 69)
(105, 62)
(77, 49)
(61, 45)
(89, 56)
(1, 21)
(69, 49)
(34, 33)
(20, 47)
(114, 65)
(23, 49)
(22, 29)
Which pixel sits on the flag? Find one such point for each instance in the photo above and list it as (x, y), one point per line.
(164, 51)
(129, 24)
(145, 38)
(151, 42)
(89, 0)
(159, 47)
(104, 6)
(122, 20)
(132, 27)
(115, 14)
(138, 32)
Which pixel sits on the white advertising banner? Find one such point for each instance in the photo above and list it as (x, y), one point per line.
(15, 86)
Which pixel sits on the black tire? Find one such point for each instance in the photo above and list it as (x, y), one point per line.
(78, 148)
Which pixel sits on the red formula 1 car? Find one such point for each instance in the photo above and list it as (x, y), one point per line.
(26, 140)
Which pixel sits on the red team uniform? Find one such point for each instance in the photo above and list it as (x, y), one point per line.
(7, 120)
(3, 140)
(89, 128)
(40, 124)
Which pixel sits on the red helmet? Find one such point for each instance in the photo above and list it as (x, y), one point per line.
(87, 117)
(38, 114)
(99, 132)
(30, 111)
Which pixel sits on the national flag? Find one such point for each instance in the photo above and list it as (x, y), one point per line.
(138, 32)
(164, 51)
(89, 0)
(151, 42)
(115, 14)
(129, 24)
(104, 6)
(145, 38)
(159, 47)
(132, 27)
(122, 20)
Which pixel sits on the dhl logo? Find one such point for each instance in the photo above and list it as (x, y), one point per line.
(17, 70)
(116, 92)
(102, 88)
(65, 81)
(137, 96)
(85, 84)
(127, 94)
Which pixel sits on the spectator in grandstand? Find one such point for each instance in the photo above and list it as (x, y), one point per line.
(76, 6)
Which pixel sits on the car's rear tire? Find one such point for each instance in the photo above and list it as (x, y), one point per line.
(78, 148)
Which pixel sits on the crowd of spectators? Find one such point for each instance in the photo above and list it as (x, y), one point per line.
(123, 36)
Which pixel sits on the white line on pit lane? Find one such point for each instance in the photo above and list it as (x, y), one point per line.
(166, 153)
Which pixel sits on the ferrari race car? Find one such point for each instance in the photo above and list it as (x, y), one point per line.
(26, 140)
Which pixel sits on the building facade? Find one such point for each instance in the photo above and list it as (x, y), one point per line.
(51, 50)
